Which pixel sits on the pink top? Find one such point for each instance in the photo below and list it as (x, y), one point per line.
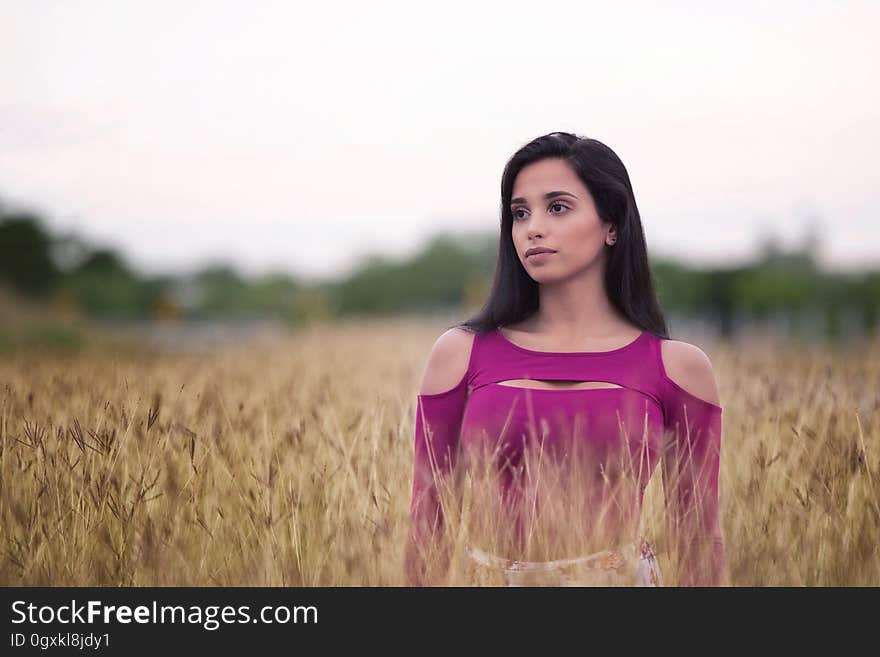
(649, 416)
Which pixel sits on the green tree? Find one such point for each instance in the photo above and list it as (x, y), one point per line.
(104, 286)
(25, 254)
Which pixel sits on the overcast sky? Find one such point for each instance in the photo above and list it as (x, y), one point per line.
(280, 137)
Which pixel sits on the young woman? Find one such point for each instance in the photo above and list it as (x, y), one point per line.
(565, 393)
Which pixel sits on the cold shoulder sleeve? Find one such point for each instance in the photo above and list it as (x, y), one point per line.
(690, 469)
(437, 426)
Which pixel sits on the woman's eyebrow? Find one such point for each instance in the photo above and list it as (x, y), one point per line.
(548, 195)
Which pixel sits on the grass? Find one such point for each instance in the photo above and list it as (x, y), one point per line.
(289, 463)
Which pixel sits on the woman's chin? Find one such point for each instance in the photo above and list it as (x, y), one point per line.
(545, 278)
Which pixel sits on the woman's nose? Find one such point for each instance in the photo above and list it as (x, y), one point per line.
(536, 229)
(536, 225)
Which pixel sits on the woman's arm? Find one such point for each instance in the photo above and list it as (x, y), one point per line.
(440, 408)
(691, 463)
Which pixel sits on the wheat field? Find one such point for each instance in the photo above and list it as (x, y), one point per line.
(288, 462)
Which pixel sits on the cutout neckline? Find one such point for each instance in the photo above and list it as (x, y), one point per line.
(559, 391)
(607, 384)
(569, 353)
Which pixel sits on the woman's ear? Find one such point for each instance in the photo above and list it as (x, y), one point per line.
(611, 236)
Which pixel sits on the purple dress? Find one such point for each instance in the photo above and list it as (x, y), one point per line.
(645, 419)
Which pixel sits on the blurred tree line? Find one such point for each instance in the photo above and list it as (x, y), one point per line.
(81, 280)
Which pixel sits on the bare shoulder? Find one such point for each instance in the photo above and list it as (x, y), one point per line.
(447, 362)
(689, 367)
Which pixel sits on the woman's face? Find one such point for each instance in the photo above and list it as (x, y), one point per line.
(566, 222)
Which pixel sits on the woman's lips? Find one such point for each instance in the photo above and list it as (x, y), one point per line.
(540, 257)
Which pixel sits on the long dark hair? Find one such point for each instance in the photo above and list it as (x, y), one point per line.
(628, 280)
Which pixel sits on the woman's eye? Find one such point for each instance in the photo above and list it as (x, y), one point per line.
(517, 216)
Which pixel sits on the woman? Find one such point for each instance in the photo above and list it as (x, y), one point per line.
(564, 393)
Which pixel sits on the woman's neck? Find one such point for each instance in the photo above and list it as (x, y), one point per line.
(577, 309)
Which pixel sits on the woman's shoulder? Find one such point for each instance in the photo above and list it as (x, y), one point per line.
(448, 361)
(689, 368)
